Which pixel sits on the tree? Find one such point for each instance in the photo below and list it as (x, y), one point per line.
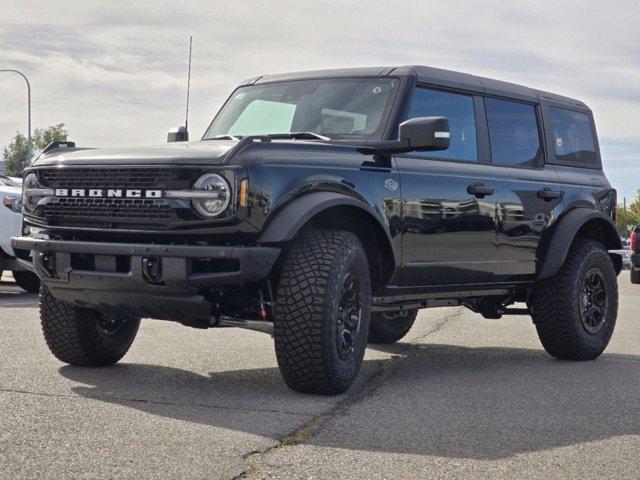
(629, 217)
(635, 205)
(625, 220)
(54, 133)
(15, 154)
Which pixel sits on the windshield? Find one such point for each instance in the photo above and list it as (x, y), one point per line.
(334, 108)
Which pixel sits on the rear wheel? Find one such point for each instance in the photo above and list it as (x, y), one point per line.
(389, 327)
(575, 311)
(322, 311)
(84, 337)
(28, 281)
(635, 276)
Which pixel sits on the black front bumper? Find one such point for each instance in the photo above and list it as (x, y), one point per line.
(159, 281)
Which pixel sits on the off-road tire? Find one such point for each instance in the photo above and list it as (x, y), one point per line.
(635, 276)
(556, 304)
(28, 281)
(306, 326)
(390, 327)
(74, 335)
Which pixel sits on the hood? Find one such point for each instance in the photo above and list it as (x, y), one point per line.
(212, 152)
(5, 190)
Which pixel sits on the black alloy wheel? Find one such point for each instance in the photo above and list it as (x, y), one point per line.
(348, 318)
(593, 303)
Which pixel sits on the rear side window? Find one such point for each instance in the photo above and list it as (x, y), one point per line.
(462, 122)
(573, 137)
(513, 133)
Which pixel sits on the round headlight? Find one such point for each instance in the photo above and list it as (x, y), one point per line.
(30, 201)
(216, 195)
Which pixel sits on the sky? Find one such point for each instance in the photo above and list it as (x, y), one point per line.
(115, 71)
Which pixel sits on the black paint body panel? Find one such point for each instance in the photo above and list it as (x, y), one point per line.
(441, 236)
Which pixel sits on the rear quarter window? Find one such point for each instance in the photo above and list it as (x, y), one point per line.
(573, 137)
(513, 133)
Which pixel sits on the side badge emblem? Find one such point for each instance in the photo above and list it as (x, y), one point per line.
(391, 184)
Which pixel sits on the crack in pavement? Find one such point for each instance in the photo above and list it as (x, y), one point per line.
(154, 402)
(387, 368)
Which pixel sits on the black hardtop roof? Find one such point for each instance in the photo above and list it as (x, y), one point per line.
(431, 76)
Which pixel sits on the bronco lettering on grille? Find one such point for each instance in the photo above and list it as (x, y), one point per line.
(107, 193)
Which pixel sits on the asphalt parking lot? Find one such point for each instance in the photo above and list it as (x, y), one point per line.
(462, 397)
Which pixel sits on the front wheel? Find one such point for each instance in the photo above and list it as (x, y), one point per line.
(84, 337)
(575, 311)
(322, 311)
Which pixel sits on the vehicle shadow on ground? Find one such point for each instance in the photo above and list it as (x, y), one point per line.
(443, 400)
(12, 296)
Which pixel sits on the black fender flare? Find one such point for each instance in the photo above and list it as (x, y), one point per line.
(566, 230)
(288, 220)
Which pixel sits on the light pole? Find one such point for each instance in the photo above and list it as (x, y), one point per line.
(28, 109)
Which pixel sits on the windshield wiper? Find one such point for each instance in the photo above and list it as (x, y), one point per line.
(274, 136)
(299, 135)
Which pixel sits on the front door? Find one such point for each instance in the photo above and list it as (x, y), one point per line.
(449, 206)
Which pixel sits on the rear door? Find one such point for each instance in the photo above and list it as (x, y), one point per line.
(530, 194)
(449, 207)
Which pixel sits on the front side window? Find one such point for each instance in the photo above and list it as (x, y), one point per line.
(513, 133)
(573, 136)
(337, 108)
(460, 111)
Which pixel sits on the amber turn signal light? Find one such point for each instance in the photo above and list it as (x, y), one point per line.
(244, 193)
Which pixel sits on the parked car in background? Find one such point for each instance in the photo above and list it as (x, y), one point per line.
(634, 248)
(625, 254)
(10, 226)
(10, 181)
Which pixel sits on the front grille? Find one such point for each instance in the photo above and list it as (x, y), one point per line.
(126, 178)
(107, 209)
(114, 212)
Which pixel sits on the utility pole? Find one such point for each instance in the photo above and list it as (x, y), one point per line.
(29, 146)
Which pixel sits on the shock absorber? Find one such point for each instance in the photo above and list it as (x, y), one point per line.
(264, 305)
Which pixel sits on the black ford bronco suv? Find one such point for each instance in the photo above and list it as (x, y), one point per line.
(327, 208)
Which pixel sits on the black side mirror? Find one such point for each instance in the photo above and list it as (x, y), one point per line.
(425, 133)
(178, 134)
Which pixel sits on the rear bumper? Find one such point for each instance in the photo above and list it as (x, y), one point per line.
(635, 260)
(160, 281)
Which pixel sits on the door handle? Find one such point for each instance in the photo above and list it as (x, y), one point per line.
(480, 190)
(548, 194)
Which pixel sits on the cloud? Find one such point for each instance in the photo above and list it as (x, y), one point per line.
(84, 58)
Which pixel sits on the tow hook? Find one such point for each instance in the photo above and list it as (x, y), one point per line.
(48, 264)
(152, 270)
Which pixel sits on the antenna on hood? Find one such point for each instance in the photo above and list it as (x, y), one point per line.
(186, 120)
(181, 134)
